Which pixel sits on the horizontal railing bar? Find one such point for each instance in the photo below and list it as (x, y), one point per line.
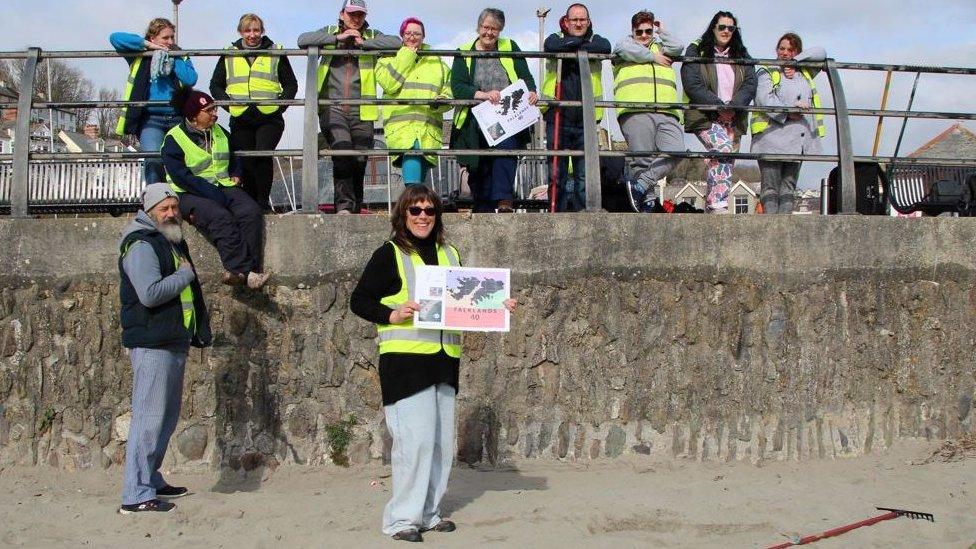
(936, 69)
(135, 155)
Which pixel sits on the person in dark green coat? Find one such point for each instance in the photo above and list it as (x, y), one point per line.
(491, 178)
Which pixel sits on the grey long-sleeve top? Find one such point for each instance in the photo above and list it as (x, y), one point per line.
(343, 81)
(142, 267)
(630, 50)
(786, 136)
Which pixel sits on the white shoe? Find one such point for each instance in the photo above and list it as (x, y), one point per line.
(256, 280)
(343, 212)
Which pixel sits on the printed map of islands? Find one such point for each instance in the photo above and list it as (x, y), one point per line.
(477, 292)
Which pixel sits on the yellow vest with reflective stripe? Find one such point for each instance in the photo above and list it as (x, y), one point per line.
(253, 82)
(186, 295)
(213, 165)
(409, 76)
(549, 81)
(127, 94)
(646, 83)
(504, 44)
(367, 77)
(404, 338)
(760, 122)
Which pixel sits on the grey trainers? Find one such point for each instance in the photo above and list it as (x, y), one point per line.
(256, 280)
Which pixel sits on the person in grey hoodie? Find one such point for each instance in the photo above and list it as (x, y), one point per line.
(786, 133)
(642, 73)
(162, 316)
(348, 77)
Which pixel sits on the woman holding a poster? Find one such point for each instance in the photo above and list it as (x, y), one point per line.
(491, 178)
(418, 368)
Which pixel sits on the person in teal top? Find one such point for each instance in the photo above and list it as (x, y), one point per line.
(152, 79)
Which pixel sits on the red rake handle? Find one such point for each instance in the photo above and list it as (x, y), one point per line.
(838, 531)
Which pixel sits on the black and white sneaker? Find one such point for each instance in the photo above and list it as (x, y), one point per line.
(171, 492)
(153, 505)
(635, 193)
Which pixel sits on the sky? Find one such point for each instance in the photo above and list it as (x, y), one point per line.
(935, 32)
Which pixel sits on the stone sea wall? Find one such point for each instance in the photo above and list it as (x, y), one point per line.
(680, 337)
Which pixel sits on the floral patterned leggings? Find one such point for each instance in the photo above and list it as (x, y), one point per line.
(719, 138)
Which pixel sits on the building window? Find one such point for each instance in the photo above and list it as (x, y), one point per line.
(741, 204)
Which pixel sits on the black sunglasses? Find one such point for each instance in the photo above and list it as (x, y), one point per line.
(641, 32)
(416, 211)
(730, 28)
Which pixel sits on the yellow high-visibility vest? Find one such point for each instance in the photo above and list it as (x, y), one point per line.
(253, 82)
(647, 83)
(504, 44)
(760, 122)
(409, 76)
(404, 338)
(213, 165)
(367, 76)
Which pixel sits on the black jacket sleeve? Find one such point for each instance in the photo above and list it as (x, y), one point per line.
(289, 84)
(218, 82)
(747, 91)
(592, 43)
(380, 279)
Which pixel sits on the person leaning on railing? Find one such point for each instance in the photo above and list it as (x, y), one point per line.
(202, 168)
(411, 76)
(786, 133)
(642, 73)
(252, 78)
(491, 178)
(348, 77)
(718, 84)
(152, 79)
(576, 34)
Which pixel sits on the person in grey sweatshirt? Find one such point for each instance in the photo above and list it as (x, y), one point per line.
(786, 133)
(162, 315)
(348, 77)
(642, 72)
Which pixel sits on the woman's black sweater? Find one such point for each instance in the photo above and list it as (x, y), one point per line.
(401, 374)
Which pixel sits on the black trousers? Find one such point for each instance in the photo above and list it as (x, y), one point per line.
(344, 130)
(237, 230)
(257, 172)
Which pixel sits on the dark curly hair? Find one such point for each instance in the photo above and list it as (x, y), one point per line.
(706, 45)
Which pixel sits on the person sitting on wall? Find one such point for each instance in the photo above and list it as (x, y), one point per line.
(202, 168)
(163, 314)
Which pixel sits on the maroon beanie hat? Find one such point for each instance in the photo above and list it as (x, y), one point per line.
(195, 102)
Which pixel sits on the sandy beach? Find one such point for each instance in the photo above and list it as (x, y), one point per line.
(621, 503)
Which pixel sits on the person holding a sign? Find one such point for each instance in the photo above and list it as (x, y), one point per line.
(410, 76)
(491, 178)
(418, 368)
(564, 125)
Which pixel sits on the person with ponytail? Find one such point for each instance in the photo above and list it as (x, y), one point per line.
(202, 168)
(152, 79)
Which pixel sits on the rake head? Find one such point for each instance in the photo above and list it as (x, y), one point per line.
(915, 515)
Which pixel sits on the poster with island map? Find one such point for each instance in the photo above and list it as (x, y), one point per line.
(462, 298)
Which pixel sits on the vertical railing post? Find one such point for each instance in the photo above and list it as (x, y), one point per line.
(845, 149)
(591, 136)
(310, 135)
(20, 191)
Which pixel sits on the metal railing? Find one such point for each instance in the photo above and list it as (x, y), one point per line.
(21, 195)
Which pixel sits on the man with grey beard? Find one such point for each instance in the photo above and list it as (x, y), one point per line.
(162, 315)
